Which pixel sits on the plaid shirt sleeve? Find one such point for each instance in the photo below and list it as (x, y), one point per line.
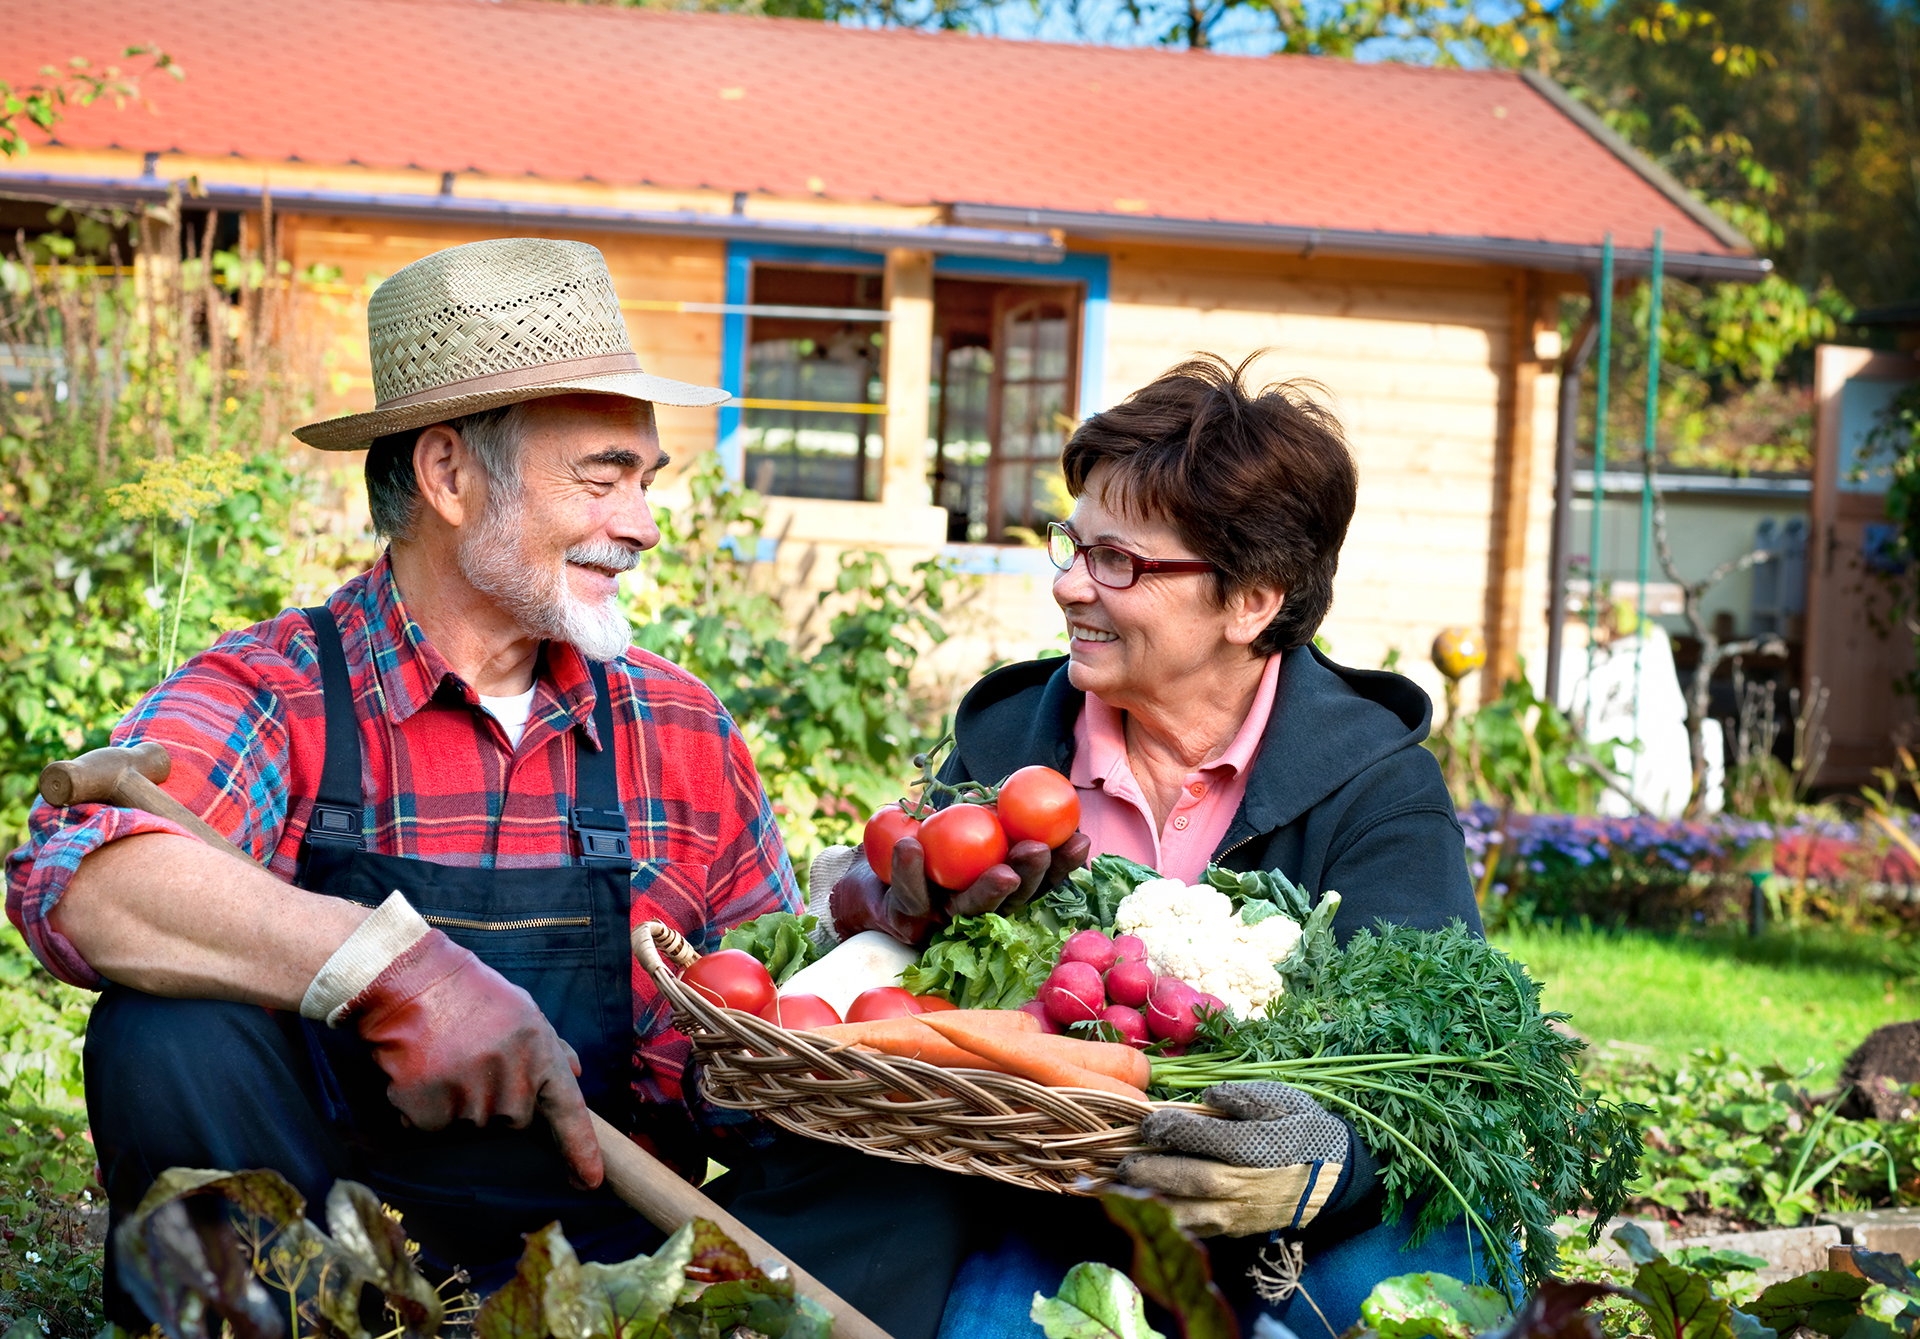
(747, 873)
(221, 720)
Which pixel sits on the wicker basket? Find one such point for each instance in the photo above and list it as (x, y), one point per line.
(971, 1121)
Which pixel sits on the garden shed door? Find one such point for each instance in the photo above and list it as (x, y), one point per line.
(1846, 547)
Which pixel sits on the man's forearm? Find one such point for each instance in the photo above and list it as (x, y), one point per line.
(172, 916)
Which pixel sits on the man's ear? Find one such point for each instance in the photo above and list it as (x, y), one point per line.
(449, 478)
(1250, 610)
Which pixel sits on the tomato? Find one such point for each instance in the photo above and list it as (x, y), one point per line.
(870, 1006)
(933, 1004)
(802, 1013)
(733, 979)
(884, 829)
(1037, 804)
(962, 843)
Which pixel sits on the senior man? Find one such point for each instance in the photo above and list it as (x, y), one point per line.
(465, 788)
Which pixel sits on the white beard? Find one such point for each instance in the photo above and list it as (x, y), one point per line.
(538, 595)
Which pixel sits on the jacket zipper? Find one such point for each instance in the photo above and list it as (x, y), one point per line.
(531, 923)
(1220, 860)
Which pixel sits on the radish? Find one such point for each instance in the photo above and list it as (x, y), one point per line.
(1039, 1011)
(1130, 948)
(1130, 983)
(1170, 1015)
(1131, 1026)
(1074, 993)
(1091, 947)
(1213, 1002)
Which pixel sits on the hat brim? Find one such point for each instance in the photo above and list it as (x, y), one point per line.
(356, 432)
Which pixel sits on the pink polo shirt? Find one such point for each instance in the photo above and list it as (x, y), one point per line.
(1114, 813)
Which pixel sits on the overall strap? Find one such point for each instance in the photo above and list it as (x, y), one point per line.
(337, 808)
(599, 820)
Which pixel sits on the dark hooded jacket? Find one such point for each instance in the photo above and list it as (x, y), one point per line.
(1340, 796)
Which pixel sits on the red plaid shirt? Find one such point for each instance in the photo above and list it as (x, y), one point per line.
(244, 722)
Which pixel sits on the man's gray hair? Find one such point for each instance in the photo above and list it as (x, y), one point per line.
(393, 494)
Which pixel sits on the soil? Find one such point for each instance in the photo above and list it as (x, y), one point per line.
(1705, 1223)
(1880, 1074)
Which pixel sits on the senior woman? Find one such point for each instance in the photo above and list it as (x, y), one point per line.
(1198, 723)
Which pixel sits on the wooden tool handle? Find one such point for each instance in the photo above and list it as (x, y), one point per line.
(91, 778)
(660, 1196)
(126, 777)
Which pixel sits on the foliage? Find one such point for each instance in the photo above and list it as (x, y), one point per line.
(212, 1252)
(1095, 1301)
(1434, 1047)
(80, 84)
(50, 1266)
(1518, 752)
(1727, 1137)
(987, 961)
(1897, 568)
(1431, 1306)
(831, 720)
(777, 938)
(1091, 895)
(146, 510)
(1170, 1266)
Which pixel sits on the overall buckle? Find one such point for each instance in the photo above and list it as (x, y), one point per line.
(336, 825)
(603, 838)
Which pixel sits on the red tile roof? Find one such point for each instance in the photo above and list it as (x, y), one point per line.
(791, 107)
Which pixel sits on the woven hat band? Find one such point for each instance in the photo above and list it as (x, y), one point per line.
(546, 374)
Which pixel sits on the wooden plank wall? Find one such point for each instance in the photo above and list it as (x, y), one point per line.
(1418, 363)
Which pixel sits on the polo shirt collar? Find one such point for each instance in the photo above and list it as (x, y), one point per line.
(1102, 729)
(411, 672)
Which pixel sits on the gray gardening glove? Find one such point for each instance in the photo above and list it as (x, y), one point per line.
(1273, 1165)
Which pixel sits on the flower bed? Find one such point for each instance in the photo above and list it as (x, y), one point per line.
(1646, 871)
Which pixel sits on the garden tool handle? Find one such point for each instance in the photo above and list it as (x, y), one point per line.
(126, 775)
(663, 1198)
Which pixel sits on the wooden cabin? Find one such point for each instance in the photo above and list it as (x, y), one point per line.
(916, 259)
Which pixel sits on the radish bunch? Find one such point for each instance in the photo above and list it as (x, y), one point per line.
(1103, 980)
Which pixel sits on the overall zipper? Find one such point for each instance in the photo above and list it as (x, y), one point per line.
(528, 923)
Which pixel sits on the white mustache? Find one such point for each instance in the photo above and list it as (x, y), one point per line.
(613, 557)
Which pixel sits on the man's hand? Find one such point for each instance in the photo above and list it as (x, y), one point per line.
(460, 1042)
(911, 908)
(1274, 1165)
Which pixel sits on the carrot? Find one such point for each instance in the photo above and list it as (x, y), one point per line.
(1005, 1020)
(907, 1038)
(1102, 1057)
(1018, 1054)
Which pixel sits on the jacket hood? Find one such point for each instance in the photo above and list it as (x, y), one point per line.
(1329, 724)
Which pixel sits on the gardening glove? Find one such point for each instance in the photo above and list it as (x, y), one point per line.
(911, 908)
(457, 1040)
(1274, 1165)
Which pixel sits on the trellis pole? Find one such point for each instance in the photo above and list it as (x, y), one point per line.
(1646, 481)
(1599, 459)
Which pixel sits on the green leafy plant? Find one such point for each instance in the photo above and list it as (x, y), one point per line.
(1517, 752)
(779, 939)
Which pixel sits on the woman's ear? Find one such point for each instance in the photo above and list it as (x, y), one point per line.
(1250, 610)
(447, 476)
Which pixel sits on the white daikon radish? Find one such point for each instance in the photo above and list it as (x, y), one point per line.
(867, 960)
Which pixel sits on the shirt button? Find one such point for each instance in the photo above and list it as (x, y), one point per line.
(1197, 789)
(1180, 823)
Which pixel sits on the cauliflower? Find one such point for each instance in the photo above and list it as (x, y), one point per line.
(1194, 934)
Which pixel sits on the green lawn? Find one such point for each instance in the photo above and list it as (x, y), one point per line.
(1792, 996)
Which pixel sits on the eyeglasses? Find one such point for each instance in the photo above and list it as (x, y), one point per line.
(1114, 568)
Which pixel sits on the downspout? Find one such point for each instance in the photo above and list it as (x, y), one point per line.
(1573, 364)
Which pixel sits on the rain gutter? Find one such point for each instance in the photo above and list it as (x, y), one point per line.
(1561, 257)
(944, 240)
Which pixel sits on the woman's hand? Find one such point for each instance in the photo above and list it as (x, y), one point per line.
(911, 908)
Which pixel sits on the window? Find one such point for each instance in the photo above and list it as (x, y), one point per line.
(812, 422)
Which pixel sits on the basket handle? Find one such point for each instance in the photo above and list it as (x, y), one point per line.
(652, 941)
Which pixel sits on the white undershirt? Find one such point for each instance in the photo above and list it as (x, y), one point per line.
(511, 712)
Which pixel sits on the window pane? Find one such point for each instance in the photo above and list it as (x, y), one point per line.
(1050, 341)
(809, 453)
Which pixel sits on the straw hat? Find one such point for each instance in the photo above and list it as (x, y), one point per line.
(491, 323)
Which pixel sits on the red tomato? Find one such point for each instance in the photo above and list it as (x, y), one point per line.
(884, 829)
(801, 1013)
(870, 1006)
(1037, 804)
(733, 979)
(933, 1004)
(962, 842)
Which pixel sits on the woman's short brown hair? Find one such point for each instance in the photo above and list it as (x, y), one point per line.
(1260, 485)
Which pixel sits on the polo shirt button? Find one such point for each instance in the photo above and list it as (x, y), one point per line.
(1198, 789)
(1180, 823)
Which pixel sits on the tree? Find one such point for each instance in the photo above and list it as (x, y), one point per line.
(82, 82)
